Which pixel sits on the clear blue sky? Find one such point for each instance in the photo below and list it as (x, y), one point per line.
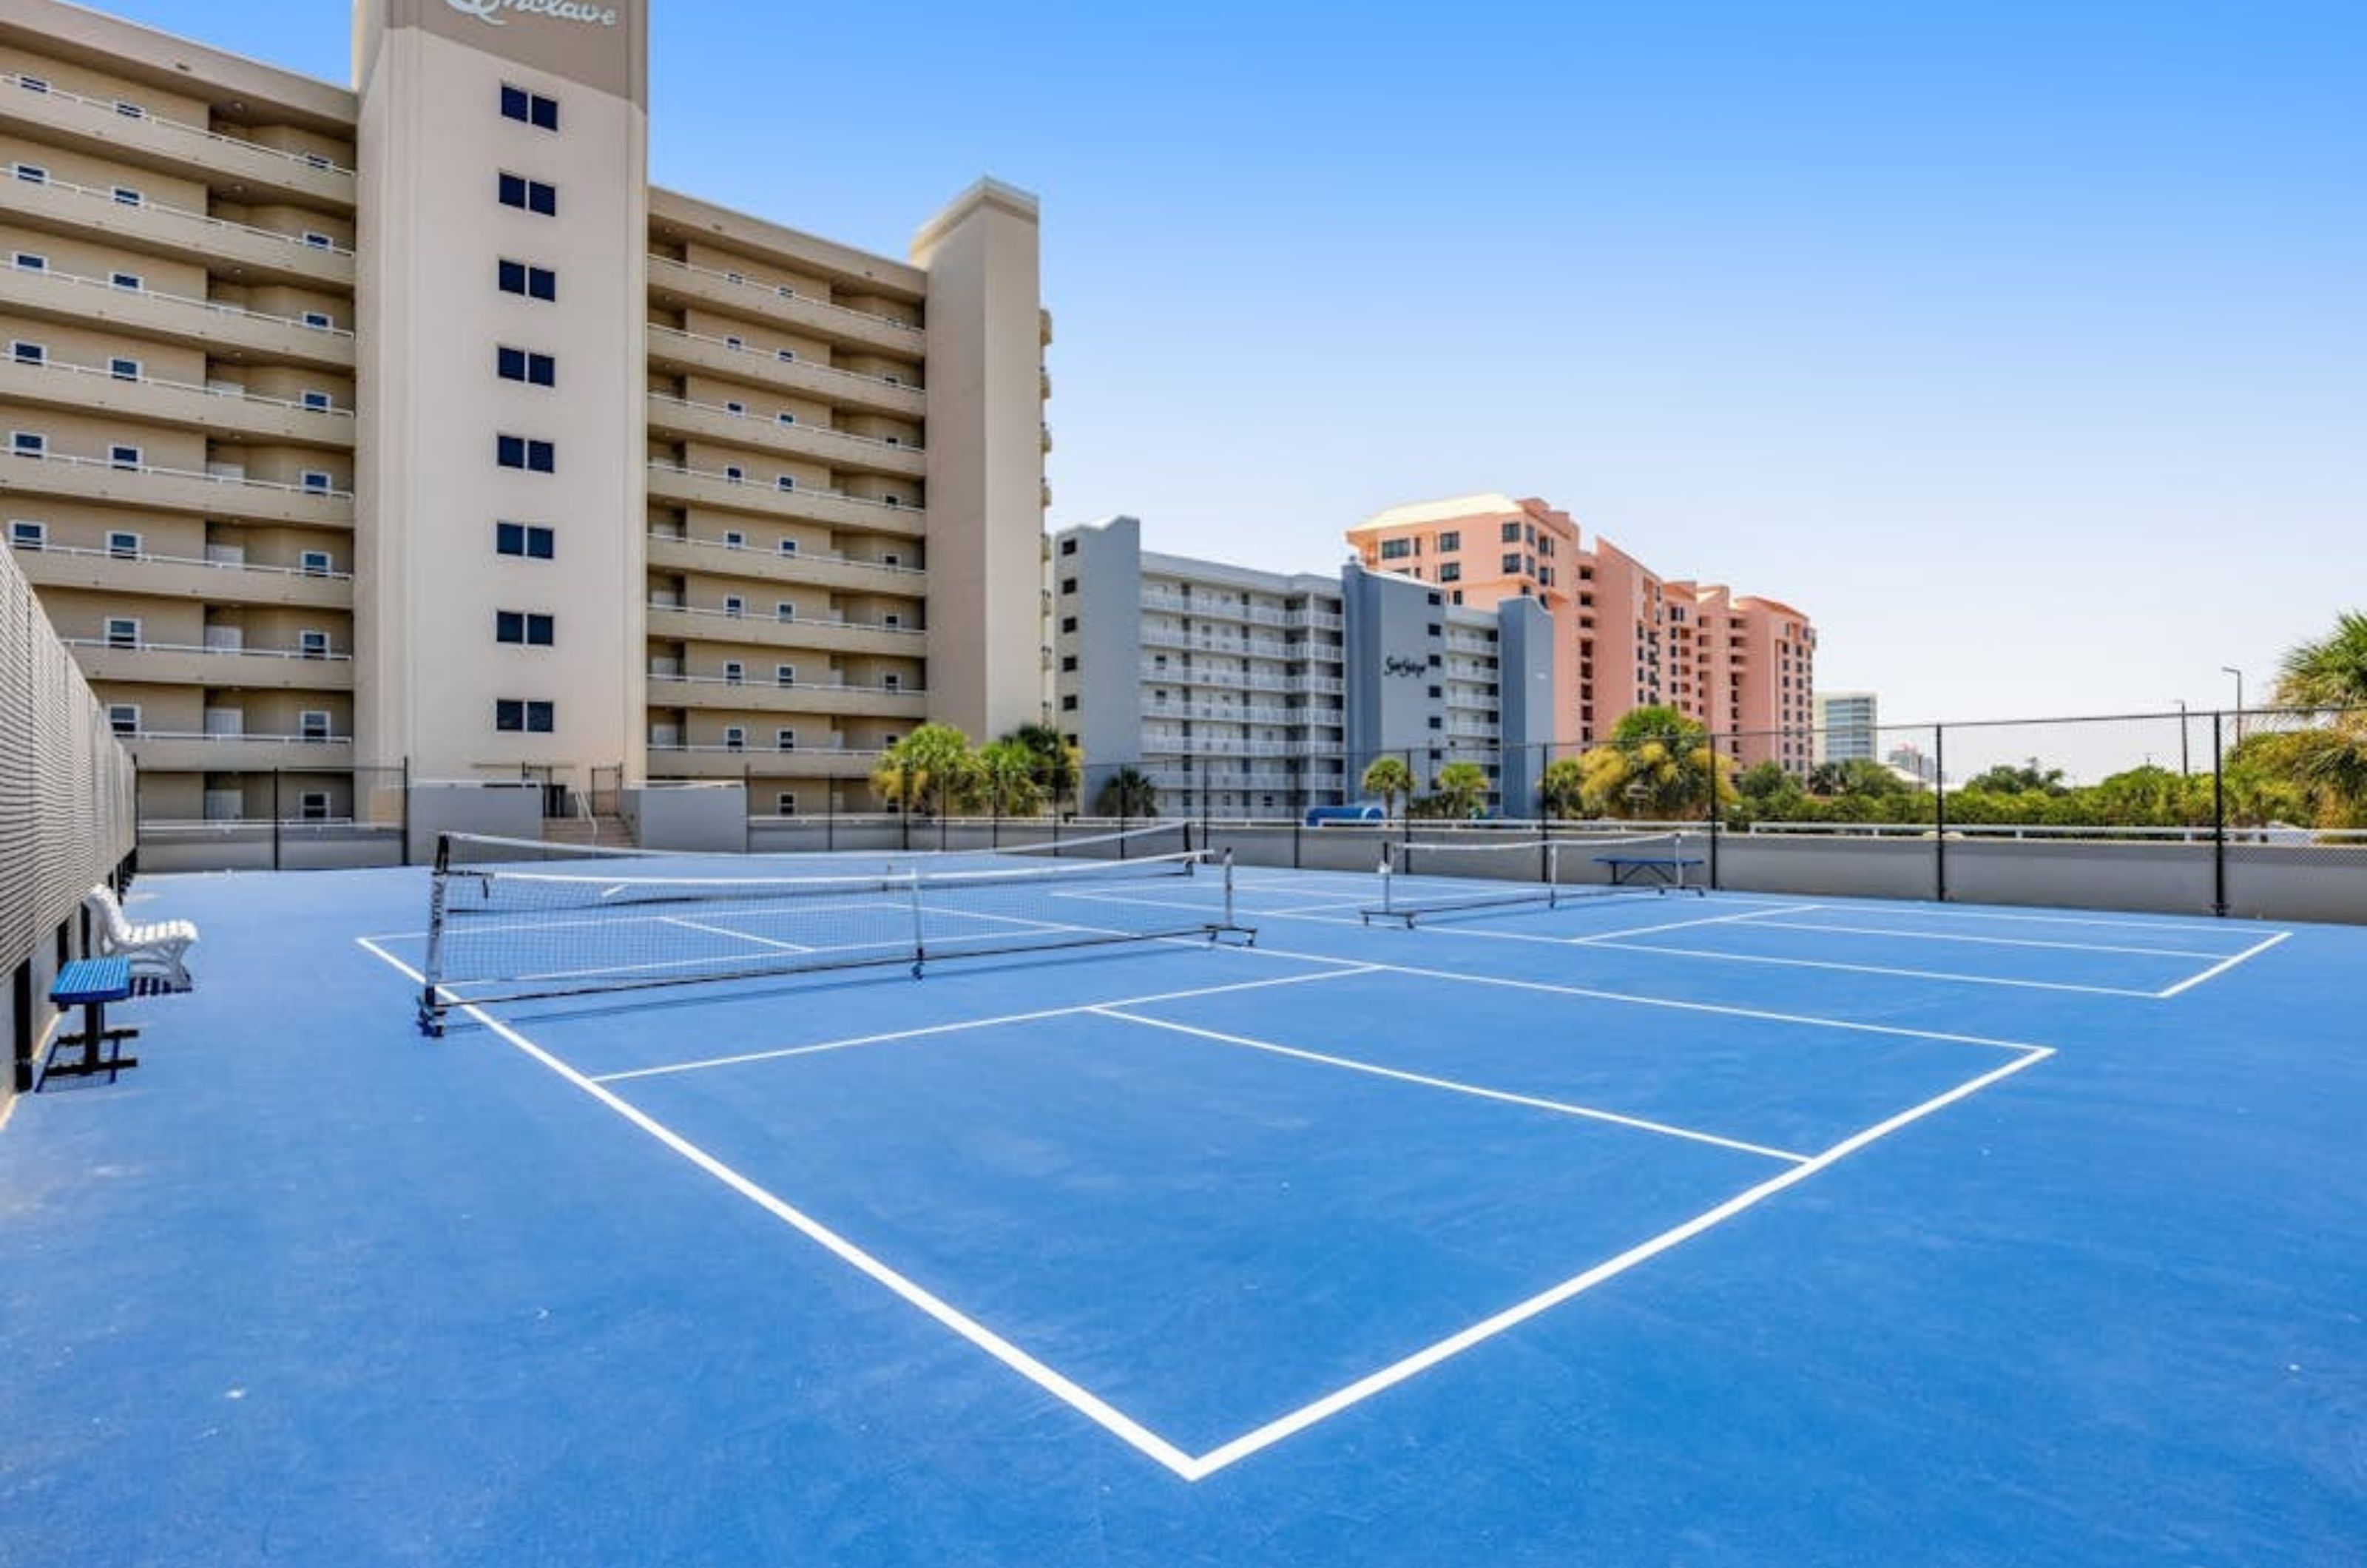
(2023, 345)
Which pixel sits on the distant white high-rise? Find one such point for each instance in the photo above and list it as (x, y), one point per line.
(1846, 726)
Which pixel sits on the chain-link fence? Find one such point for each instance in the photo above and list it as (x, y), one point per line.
(2254, 812)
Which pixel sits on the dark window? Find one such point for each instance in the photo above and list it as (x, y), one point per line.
(522, 626)
(1511, 563)
(1449, 541)
(1396, 549)
(1067, 623)
(1437, 693)
(1068, 663)
(1068, 585)
(522, 365)
(534, 196)
(526, 540)
(529, 108)
(518, 452)
(534, 282)
(1511, 532)
(1069, 704)
(1067, 547)
(1450, 571)
(535, 718)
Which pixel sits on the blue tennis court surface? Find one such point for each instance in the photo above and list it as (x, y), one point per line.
(1645, 1229)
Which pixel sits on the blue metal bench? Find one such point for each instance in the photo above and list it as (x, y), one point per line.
(1662, 874)
(90, 983)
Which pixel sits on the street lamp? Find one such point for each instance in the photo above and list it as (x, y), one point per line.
(2231, 669)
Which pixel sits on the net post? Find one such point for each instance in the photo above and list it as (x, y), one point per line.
(2218, 821)
(431, 1016)
(1552, 853)
(920, 939)
(1230, 923)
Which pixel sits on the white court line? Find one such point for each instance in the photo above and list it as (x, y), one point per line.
(1923, 909)
(1099, 1411)
(1140, 1438)
(740, 935)
(1882, 969)
(916, 1033)
(2223, 966)
(1363, 1388)
(1719, 1008)
(1991, 941)
(1681, 925)
(1588, 1112)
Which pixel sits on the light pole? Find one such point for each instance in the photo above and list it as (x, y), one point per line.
(2231, 669)
(2184, 768)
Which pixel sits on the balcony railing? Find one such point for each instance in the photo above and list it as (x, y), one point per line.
(802, 749)
(143, 645)
(829, 431)
(660, 466)
(247, 737)
(92, 193)
(234, 394)
(786, 556)
(672, 679)
(782, 291)
(215, 306)
(242, 482)
(321, 574)
(801, 620)
(806, 364)
(42, 85)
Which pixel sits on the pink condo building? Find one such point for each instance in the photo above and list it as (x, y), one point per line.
(1625, 636)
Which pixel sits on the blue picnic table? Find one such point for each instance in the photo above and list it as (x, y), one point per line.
(90, 983)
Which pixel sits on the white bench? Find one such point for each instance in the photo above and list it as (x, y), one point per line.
(158, 949)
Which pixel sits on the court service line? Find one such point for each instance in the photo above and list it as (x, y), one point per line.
(1881, 969)
(746, 1056)
(1423, 1361)
(1719, 1008)
(1681, 925)
(1990, 940)
(1078, 1398)
(1559, 1107)
(736, 935)
(2223, 966)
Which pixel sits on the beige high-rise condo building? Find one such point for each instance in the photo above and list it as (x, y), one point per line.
(406, 424)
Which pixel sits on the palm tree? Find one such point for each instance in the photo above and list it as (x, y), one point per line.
(926, 771)
(1561, 789)
(2328, 671)
(1128, 793)
(1657, 764)
(1007, 779)
(1387, 777)
(2328, 761)
(1052, 761)
(1461, 788)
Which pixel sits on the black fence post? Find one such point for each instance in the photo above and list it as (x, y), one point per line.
(275, 819)
(405, 781)
(1713, 777)
(2219, 822)
(1940, 811)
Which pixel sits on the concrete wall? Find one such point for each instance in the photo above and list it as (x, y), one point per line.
(706, 819)
(504, 811)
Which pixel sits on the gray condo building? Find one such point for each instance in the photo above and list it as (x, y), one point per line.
(1241, 693)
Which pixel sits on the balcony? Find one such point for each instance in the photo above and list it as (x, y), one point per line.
(165, 751)
(673, 284)
(169, 664)
(730, 763)
(826, 634)
(232, 415)
(229, 332)
(216, 583)
(177, 489)
(673, 418)
(677, 353)
(47, 113)
(680, 486)
(817, 568)
(713, 692)
(249, 254)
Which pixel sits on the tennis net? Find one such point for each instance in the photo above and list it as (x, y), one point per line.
(1154, 840)
(1421, 878)
(498, 935)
